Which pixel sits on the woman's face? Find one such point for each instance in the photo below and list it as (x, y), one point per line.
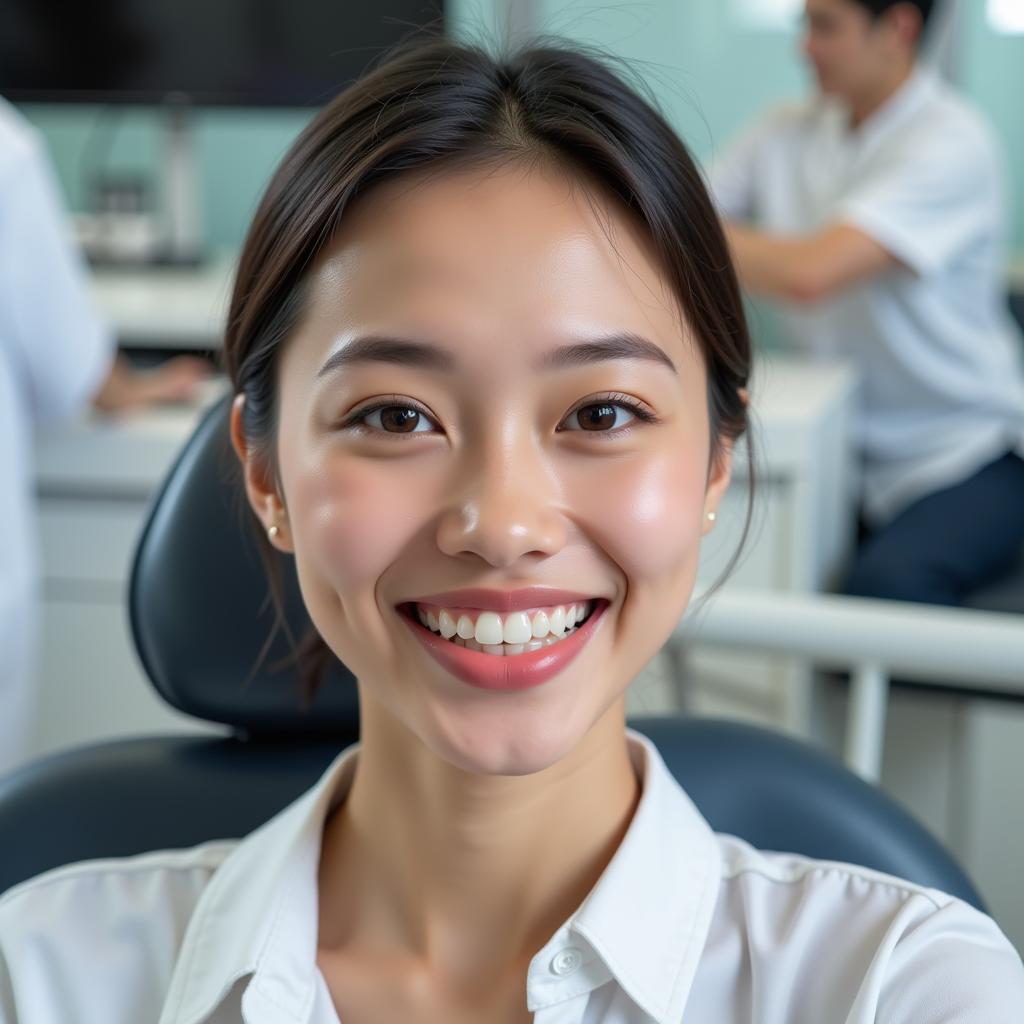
(544, 424)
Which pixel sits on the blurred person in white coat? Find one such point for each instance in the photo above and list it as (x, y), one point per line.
(876, 211)
(57, 355)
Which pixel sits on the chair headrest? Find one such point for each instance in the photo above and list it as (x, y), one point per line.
(200, 608)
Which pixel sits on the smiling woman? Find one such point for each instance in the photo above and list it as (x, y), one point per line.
(490, 359)
(530, 222)
(490, 362)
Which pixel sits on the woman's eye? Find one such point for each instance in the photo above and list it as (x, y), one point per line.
(396, 419)
(601, 416)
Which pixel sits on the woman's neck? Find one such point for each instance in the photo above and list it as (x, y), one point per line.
(462, 873)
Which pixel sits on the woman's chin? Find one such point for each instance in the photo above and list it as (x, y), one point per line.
(518, 742)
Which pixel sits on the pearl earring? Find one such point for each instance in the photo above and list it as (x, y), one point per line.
(712, 516)
(273, 532)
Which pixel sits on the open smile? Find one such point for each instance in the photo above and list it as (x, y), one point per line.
(510, 651)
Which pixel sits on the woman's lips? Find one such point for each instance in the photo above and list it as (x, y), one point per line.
(512, 672)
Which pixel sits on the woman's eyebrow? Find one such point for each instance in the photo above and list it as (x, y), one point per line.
(376, 348)
(620, 345)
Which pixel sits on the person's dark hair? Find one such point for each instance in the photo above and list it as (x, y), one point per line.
(437, 103)
(879, 7)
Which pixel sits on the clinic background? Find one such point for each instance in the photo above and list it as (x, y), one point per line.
(712, 65)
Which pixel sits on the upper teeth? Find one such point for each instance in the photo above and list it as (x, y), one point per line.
(514, 628)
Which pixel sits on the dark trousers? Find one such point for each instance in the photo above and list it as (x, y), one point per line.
(944, 546)
(948, 543)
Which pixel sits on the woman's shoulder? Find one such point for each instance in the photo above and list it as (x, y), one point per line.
(899, 950)
(767, 879)
(130, 913)
(741, 860)
(155, 872)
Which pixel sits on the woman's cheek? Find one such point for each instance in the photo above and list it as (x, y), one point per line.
(352, 520)
(646, 513)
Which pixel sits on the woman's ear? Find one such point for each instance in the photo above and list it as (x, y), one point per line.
(719, 477)
(718, 484)
(260, 486)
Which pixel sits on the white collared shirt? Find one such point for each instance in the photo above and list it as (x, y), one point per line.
(683, 926)
(942, 383)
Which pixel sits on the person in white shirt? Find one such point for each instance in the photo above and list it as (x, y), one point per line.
(56, 357)
(490, 361)
(876, 214)
(683, 925)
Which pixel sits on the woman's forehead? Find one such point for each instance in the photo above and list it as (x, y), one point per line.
(528, 250)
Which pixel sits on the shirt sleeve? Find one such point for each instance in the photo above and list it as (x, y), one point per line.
(950, 965)
(57, 342)
(931, 202)
(733, 173)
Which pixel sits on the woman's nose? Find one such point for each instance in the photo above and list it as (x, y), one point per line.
(507, 507)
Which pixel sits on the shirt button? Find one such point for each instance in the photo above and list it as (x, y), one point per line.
(567, 961)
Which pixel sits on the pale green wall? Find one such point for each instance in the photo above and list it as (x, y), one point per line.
(991, 71)
(708, 75)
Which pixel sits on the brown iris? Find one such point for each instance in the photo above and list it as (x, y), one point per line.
(596, 417)
(399, 419)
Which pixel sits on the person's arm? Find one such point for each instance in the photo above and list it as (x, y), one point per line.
(806, 268)
(930, 203)
(126, 388)
(64, 350)
(796, 268)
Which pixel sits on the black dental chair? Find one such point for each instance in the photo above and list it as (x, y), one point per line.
(200, 615)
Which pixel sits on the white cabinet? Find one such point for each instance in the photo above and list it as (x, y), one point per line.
(91, 686)
(87, 543)
(94, 484)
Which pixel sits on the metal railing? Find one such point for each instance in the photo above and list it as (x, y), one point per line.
(875, 640)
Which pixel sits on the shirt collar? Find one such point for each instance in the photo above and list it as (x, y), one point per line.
(903, 103)
(644, 924)
(919, 86)
(646, 921)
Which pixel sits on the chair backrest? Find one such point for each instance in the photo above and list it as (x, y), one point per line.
(199, 604)
(199, 616)
(130, 796)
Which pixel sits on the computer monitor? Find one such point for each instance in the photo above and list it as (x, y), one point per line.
(209, 52)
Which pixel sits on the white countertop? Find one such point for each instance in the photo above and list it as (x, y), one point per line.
(167, 307)
(123, 456)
